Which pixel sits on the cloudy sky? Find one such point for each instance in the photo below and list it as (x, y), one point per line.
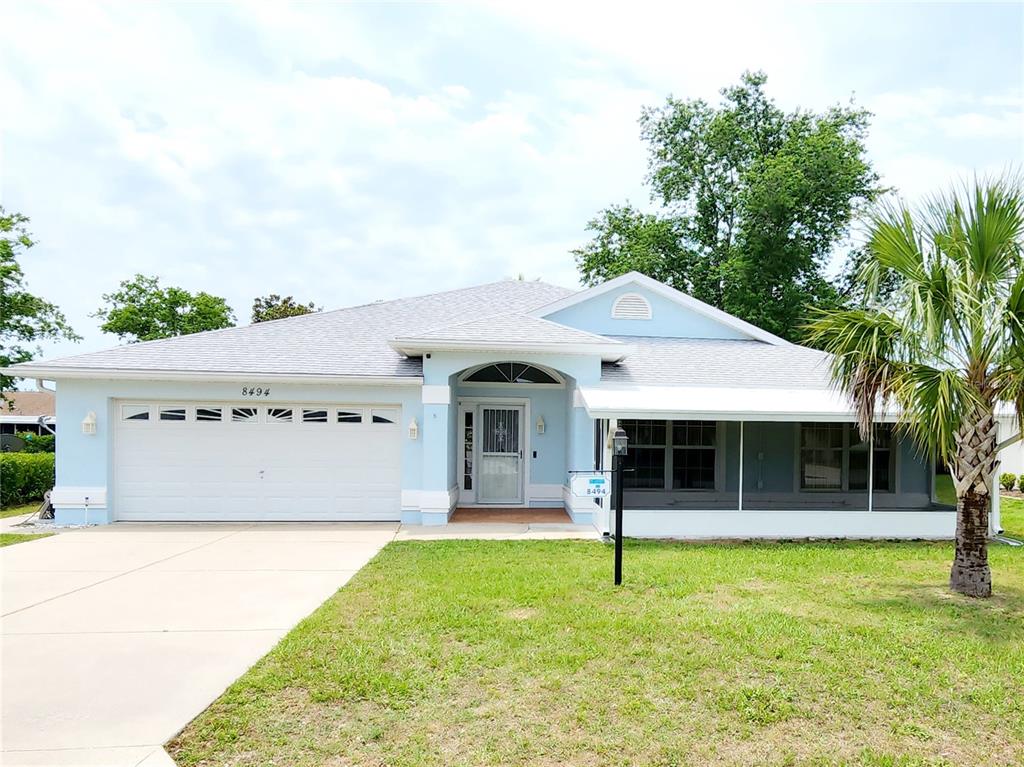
(348, 153)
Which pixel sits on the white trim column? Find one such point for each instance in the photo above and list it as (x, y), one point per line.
(739, 494)
(871, 468)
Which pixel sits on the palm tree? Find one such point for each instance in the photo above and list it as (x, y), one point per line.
(945, 345)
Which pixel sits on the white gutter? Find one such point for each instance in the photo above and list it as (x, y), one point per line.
(28, 370)
(720, 404)
(610, 351)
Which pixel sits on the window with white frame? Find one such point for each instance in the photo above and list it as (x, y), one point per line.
(172, 413)
(244, 415)
(134, 412)
(279, 415)
(670, 455)
(833, 457)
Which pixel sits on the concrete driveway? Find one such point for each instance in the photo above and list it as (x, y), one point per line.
(115, 637)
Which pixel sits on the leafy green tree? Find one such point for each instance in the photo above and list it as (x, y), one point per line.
(25, 319)
(754, 201)
(946, 346)
(274, 307)
(141, 310)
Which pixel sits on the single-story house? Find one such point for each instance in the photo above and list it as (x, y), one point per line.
(27, 411)
(487, 396)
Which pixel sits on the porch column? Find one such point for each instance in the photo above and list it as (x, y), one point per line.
(435, 497)
(581, 458)
(994, 522)
(739, 494)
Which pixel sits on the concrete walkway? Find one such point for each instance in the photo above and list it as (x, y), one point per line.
(115, 637)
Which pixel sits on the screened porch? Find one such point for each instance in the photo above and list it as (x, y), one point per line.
(704, 465)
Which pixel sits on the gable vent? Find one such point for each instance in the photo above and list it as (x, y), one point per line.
(631, 306)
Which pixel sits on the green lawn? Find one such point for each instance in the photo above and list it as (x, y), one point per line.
(1011, 516)
(15, 511)
(9, 539)
(522, 653)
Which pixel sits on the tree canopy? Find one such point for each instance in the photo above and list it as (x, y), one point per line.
(944, 346)
(753, 201)
(25, 318)
(275, 307)
(141, 310)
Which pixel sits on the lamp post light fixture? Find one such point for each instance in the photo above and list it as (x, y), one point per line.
(620, 447)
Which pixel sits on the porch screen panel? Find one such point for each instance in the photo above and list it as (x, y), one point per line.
(821, 456)
(882, 473)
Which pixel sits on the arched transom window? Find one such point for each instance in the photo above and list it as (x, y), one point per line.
(511, 372)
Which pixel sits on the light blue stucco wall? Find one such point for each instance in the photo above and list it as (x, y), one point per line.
(441, 442)
(668, 319)
(87, 460)
(551, 447)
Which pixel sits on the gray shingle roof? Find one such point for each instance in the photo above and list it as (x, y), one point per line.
(513, 328)
(709, 362)
(351, 341)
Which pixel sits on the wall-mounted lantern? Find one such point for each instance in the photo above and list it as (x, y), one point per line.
(414, 429)
(89, 423)
(540, 424)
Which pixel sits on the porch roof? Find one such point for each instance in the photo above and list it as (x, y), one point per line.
(718, 403)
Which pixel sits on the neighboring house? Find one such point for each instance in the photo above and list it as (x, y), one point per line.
(21, 411)
(486, 396)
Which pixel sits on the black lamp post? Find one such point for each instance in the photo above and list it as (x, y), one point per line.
(620, 443)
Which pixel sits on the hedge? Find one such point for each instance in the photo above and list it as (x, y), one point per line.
(24, 477)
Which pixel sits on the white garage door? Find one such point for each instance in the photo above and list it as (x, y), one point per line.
(214, 461)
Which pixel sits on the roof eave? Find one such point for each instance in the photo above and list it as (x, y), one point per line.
(58, 373)
(609, 352)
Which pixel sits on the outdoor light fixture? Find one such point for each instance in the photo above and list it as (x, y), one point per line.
(89, 423)
(540, 424)
(414, 429)
(619, 442)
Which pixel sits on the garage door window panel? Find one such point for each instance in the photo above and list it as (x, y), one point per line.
(244, 415)
(350, 416)
(209, 414)
(134, 412)
(388, 415)
(173, 413)
(279, 415)
(314, 415)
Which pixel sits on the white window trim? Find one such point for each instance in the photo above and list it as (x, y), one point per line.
(559, 378)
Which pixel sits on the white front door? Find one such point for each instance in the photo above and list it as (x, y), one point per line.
(500, 468)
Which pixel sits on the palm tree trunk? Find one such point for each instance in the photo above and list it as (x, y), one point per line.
(972, 475)
(971, 574)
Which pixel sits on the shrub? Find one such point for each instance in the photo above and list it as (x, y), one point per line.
(38, 443)
(1007, 480)
(24, 477)
(1020, 484)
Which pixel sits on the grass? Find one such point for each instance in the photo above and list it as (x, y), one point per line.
(944, 492)
(522, 653)
(1011, 516)
(16, 511)
(9, 539)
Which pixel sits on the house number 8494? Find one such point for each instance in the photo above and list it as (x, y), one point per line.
(255, 391)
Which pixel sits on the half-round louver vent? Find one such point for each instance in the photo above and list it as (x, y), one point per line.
(631, 306)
